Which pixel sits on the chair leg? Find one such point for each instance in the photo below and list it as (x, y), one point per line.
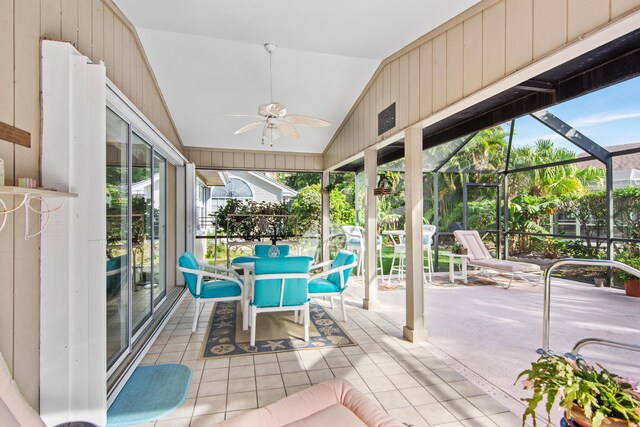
(295, 316)
(344, 307)
(430, 259)
(245, 314)
(510, 280)
(331, 302)
(195, 316)
(393, 262)
(306, 322)
(252, 342)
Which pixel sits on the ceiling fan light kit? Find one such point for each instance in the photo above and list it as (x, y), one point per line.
(273, 116)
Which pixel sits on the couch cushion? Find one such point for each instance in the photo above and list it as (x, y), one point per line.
(333, 415)
(220, 289)
(507, 266)
(471, 240)
(322, 285)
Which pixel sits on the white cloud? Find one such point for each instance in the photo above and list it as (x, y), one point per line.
(598, 119)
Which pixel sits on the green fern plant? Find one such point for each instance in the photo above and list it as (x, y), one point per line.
(598, 393)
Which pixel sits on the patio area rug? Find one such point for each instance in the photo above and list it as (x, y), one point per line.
(151, 392)
(275, 332)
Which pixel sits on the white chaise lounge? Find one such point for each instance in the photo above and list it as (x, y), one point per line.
(479, 256)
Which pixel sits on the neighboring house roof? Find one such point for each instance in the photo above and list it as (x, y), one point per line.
(620, 163)
(286, 191)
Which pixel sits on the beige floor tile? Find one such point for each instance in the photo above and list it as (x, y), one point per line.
(338, 362)
(215, 374)
(462, 409)
(506, 419)
(391, 368)
(296, 388)
(191, 356)
(479, 422)
(206, 420)
(267, 397)
(268, 368)
(149, 359)
(242, 384)
(346, 373)
(360, 359)
(317, 376)
(232, 414)
(466, 388)
(448, 374)
(443, 392)
(291, 366)
(178, 422)
(403, 381)
(209, 405)
(409, 416)
(259, 359)
(295, 378)
(351, 350)
(377, 384)
(241, 372)
(487, 404)
(269, 382)
(287, 356)
(245, 400)
(241, 361)
(391, 399)
(216, 363)
(435, 413)
(194, 365)
(311, 365)
(368, 371)
(172, 357)
(155, 349)
(360, 385)
(418, 396)
(212, 388)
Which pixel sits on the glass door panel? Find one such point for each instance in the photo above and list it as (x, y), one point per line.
(117, 208)
(159, 228)
(141, 231)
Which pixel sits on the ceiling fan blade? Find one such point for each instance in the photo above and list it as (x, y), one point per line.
(248, 127)
(253, 116)
(288, 130)
(306, 120)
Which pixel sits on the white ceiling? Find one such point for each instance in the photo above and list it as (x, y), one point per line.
(209, 59)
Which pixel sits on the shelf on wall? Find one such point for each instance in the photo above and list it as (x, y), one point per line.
(34, 192)
(27, 195)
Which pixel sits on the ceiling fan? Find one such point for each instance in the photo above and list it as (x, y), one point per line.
(273, 117)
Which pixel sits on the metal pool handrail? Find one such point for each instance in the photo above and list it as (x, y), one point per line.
(547, 300)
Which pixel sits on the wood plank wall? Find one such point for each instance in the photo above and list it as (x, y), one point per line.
(100, 31)
(254, 160)
(476, 49)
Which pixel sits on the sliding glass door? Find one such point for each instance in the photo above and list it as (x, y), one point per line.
(136, 235)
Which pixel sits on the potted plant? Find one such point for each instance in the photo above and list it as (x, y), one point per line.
(457, 248)
(590, 396)
(631, 283)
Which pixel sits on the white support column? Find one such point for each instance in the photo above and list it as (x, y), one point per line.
(371, 301)
(326, 219)
(414, 330)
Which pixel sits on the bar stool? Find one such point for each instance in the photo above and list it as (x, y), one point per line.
(399, 251)
(354, 236)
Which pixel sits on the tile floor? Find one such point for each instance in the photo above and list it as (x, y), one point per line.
(405, 379)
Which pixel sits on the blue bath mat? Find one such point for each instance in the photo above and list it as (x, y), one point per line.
(152, 392)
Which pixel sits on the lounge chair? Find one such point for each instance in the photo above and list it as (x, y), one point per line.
(479, 256)
(335, 402)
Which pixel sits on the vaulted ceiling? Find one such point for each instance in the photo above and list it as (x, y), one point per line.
(209, 59)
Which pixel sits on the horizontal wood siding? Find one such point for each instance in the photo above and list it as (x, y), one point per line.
(208, 158)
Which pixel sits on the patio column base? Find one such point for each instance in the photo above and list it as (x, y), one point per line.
(414, 335)
(370, 304)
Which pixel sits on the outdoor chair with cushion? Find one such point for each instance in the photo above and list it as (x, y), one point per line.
(223, 287)
(333, 282)
(479, 256)
(262, 251)
(280, 284)
(427, 240)
(331, 403)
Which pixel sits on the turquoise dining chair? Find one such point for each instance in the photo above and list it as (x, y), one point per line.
(223, 287)
(262, 251)
(280, 284)
(333, 282)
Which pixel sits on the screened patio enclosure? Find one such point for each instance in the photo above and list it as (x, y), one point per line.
(559, 182)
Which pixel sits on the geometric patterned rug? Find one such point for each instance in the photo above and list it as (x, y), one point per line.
(275, 332)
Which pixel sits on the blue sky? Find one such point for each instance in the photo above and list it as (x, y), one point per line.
(609, 116)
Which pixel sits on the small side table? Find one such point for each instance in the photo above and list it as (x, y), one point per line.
(463, 266)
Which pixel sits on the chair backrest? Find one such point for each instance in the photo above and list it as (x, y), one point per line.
(353, 234)
(427, 234)
(343, 258)
(116, 273)
(471, 240)
(188, 260)
(270, 292)
(262, 251)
